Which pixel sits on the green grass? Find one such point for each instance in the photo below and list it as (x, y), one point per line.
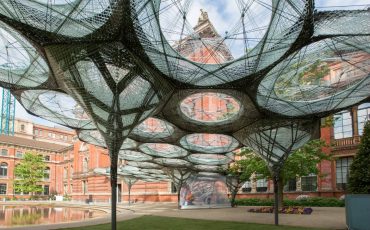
(170, 223)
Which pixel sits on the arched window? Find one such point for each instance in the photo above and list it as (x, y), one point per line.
(3, 169)
(342, 125)
(85, 164)
(363, 115)
(47, 173)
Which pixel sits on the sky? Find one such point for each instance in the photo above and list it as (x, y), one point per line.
(222, 14)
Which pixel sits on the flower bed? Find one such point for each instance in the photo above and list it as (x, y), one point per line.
(284, 210)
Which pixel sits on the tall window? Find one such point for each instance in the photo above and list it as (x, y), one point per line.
(84, 187)
(4, 152)
(342, 125)
(363, 115)
(3, 189)
(47, 173)
(342, 171)
(3, 169)
(46, 190)
(22, 128)
(85, 165)
(36, 132)
(261, 185)
(309, 183)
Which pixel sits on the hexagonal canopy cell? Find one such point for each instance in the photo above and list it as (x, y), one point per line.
(210, 168)
(153, 128)
(131, 155)
(170, 162)
(324, 76)
(57, 107)
(70, 18)
(210, 107)
(163, 150)
(20, 63)
(209, 143)
(144, 164)
(131, 169)
(207, 54)
(209, 159)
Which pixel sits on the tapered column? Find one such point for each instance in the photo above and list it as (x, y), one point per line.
(276, 197)
(113, 181)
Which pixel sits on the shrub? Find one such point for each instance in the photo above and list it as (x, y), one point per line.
(311, 202)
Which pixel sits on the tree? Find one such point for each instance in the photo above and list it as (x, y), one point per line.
(130, 181)
(241, 171)
(359, 178)
(301, 162)
(29, 173)
(178, 177)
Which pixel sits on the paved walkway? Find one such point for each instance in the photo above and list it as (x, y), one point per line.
(327, 218)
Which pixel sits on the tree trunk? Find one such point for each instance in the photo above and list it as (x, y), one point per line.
(233, 195)
(276, 199)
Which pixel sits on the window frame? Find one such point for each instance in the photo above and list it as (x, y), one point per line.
(344, 129)
(4, 169)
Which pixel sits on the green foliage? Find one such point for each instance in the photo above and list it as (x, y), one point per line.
(304, 160)
(29, 173)
(300, 163)
(328, 121)
(359, 179)
(309, 202)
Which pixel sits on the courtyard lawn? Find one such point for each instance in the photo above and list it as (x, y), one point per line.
(170, 223)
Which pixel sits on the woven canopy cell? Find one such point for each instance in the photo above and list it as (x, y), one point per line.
(156, 130)
(324, 76)
(174, 47)
(134, 156)
(163, 150)
(275, 140)
(57, 107)
(21, 65)
(209, 143)
(209, 159)
(208, 110)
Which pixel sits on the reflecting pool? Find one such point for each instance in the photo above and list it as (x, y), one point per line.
(11, 215)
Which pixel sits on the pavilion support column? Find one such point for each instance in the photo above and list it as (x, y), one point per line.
(113, 182)
(276, 197)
